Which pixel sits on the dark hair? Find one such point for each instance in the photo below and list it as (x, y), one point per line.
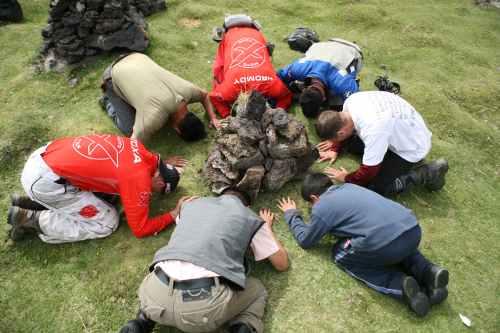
(315, 184)
(191, 128)
(328, 125)
(244, 198)
(310, 100)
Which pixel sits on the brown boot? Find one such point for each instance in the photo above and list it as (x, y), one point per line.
(23, 222)
(25, 202)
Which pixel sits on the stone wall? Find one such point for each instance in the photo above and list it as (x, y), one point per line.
(259, 148)
(80, 28)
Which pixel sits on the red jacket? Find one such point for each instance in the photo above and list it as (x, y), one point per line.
(242, 63)
(111, 164)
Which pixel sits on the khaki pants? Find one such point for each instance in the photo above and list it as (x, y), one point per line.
(222, 305)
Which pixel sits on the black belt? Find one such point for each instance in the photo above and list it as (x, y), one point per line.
(184, 285)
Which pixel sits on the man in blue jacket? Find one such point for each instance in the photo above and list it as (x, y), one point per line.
(325, 75)
(377, 240)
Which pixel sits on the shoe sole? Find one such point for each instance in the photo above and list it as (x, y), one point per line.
(437, 296)
(417, 300)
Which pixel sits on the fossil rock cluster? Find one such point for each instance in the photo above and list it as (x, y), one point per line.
(80, 28)
(259, 148)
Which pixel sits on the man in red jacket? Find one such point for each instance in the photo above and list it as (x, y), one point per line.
(243, 63)
(60, 179)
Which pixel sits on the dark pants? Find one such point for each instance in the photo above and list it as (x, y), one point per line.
(393, 166)
(384, 269)
(122, 114)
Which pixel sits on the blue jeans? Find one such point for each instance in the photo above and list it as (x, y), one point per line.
(122, 114)
(383, 269)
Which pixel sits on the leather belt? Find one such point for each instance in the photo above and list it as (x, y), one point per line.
(186, 284)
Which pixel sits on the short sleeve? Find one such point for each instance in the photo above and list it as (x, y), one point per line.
(263, 244)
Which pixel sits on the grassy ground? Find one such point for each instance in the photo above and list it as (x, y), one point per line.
(444, 53)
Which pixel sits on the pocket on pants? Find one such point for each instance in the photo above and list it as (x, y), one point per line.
(206, 319)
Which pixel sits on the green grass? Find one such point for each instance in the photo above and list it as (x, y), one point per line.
(444, 53)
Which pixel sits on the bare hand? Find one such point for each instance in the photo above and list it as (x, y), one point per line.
(182, 200)
(328, 155)
(324, 145)
(337, 174)
(176, 161)
(285, 204)
(215, 123)
(267, 216)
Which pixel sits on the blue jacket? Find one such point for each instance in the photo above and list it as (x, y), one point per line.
(369, 220)
(339, 83)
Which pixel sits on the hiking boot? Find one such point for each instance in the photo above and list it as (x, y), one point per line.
(23, 221)
(431, 175)
(103, 101)
(141, 324)
(416, 300)
(25, 202)
(435, 281)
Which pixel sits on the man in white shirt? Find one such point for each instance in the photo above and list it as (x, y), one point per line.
(392, 138)
(198, 281)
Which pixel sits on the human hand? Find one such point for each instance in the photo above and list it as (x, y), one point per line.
(182, 200)
(215, 123)
(285, 204)
(267, 216)
(328, 155)
(176, 161)
(337, 174)
(324, 145)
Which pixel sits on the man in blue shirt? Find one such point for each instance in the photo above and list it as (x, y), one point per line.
(328, 72)
(377, 240)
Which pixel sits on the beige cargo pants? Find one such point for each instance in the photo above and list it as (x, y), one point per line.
(223, 306)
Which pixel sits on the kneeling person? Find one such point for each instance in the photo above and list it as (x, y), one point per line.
(60, 179)
(141, 97)
(197, 281)
(392, 137)
(377, 240)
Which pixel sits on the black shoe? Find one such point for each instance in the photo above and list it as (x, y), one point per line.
(437, 296)
(23, 222)
(435, 281)
(240, 328)
(25, 202)
(436, 171)
(416, 300)
(103, 101)
(139, 325)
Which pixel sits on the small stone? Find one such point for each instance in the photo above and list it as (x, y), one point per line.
(73, 82)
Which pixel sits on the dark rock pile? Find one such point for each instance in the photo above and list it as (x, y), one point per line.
(80, 28)
(259, 148)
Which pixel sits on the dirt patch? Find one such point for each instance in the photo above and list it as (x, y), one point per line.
(190, 23)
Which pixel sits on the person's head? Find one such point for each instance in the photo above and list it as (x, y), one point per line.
(165, 179)
(187, 124)
(333, 125)
(314, 185)
(243, 197)
(310, 101)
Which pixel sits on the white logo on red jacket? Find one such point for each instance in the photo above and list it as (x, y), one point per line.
(99, 147)
(247, 53)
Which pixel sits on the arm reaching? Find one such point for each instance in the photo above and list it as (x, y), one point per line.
(279, 259)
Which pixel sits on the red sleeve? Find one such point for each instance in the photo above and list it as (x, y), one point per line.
(363, 175)
(281, 94)
(222, 97)
(336, 146)
(136, 195)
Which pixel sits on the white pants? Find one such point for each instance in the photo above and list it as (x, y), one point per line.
(72, 215)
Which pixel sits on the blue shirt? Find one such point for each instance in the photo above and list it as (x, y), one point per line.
(350, 211)
(339, 83)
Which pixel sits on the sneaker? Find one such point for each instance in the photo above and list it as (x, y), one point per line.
(416, 300)
(437, 296)
(23, 222)
(103, 101)
(240, 328)
(25, 202)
